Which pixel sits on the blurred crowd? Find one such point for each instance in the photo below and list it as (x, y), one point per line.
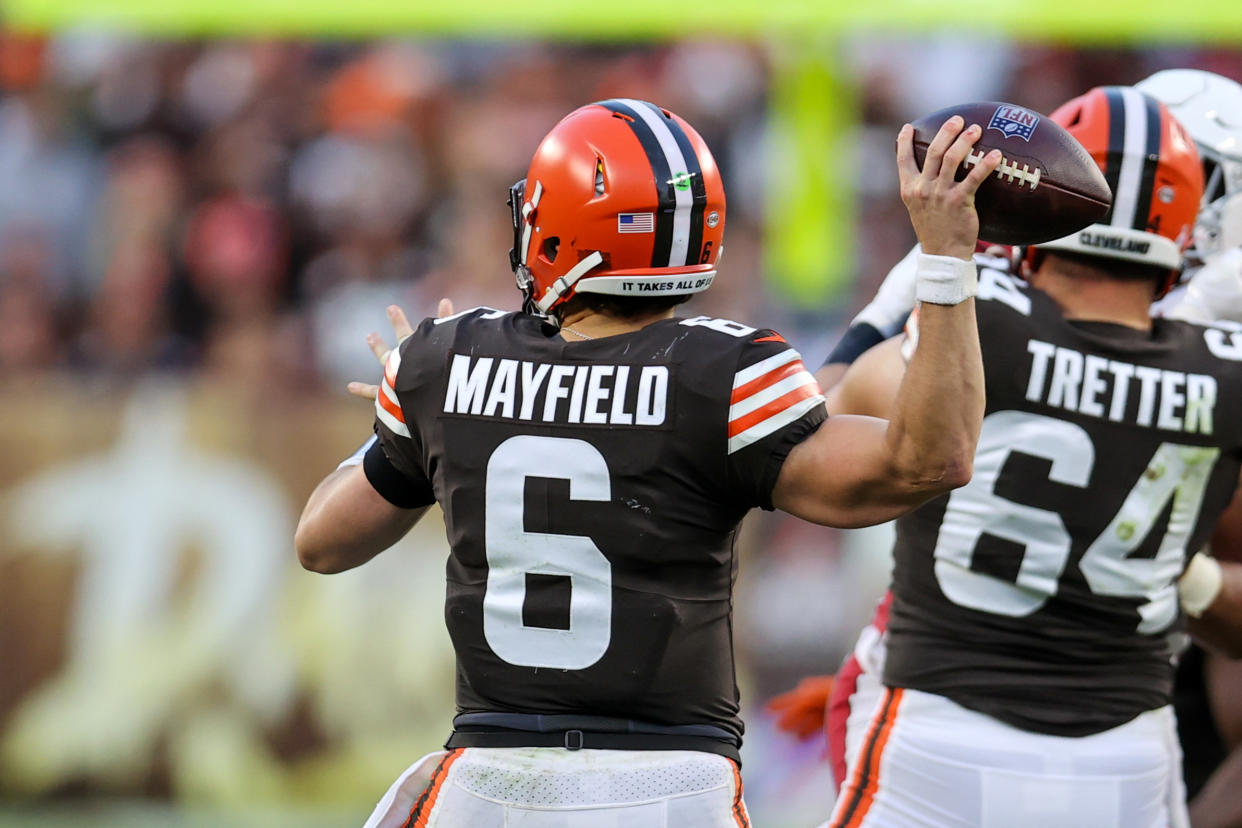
(248, 208)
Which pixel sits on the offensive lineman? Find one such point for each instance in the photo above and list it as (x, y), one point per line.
(1210, 107)
(1027, 669)
(593, 465)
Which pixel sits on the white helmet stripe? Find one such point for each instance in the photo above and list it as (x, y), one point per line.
(677, 165)
(1134, 155)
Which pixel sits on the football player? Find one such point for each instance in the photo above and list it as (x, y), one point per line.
(593, 456)
(1207, 697)
(1026, 662)
(1210, 107)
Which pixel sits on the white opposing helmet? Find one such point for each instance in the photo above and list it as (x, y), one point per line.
(1210, 107)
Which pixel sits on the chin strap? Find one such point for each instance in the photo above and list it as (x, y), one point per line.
(526, 284)
(565, 283)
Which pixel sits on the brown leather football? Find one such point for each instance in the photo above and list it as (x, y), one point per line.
(1047, 186)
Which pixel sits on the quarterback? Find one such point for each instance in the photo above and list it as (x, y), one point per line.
(593, 456)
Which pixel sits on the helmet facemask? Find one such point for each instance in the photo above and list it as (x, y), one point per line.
(1209, 106)
(1219, 223)
(521, 239)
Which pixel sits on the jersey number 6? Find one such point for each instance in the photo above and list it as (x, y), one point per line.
(512, 553)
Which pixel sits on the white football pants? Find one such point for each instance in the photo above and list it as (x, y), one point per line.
(558, 788)
(926, 762)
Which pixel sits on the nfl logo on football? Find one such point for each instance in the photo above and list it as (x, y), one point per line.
(1014, 121)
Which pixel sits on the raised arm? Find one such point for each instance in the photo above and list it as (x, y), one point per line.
(855, 471)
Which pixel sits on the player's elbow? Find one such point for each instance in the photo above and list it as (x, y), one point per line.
(933, 463)
(326, 545)
(958, 472)
(940, 475)
(314, 552)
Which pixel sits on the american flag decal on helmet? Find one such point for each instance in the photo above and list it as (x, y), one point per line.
(635, 223)
(768, 396)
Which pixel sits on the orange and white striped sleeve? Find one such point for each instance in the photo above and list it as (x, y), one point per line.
(775, 403)
(387, 406)
(769, 395)
(395, 465)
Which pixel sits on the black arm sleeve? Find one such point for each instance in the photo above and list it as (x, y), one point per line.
(397, 488)
(858, 339)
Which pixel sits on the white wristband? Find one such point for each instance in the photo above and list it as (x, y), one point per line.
(945, 280)
(1199, 584)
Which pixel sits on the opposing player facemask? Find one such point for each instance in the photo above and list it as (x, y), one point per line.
(1210, 107)
(622, 198)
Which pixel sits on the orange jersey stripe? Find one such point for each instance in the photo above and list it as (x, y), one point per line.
(770, 378)
(773, 408)
(391, 407)
(421, 812)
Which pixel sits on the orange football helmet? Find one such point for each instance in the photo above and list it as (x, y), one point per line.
(1153, 168)
(622, 197)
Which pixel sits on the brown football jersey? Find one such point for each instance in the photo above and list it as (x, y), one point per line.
(1044, 592)
(592, 491)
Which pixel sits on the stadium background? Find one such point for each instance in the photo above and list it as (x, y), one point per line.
(203, 210)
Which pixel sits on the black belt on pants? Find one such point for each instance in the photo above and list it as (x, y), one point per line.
(503, 730)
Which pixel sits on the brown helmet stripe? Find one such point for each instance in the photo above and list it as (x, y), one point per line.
(697, 186)
(1116, 144)
(1155, 129)
(661, 177)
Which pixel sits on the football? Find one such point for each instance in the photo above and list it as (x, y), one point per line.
(1047, 185)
